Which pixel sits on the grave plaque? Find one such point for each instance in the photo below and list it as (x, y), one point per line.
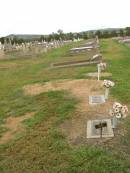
(96, 99)
(99, 128)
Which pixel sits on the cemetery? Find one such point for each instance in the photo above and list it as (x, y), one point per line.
(93, 59)
(64, 86)
(93, 100)
(61, 96)
(28, 49)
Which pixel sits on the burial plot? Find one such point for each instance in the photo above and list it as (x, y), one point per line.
(79, 50)
(74, 63)
(91, 43)
(99, 99)
(95, 74)
(99, 129)
(78, 63)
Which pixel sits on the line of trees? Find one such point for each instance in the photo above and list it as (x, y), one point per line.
(60, 35)
(14, 40)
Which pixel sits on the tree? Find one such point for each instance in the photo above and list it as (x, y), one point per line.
(2, 40)
(84, 35)
(127, 31)
(91, 34)
(98, 33)
(105, 34)
(70, 36)
(121, 32)
(61, 33)
(113, 33)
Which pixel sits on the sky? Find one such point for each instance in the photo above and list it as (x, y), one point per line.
(47, 16)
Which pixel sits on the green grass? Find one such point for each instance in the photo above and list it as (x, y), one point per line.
(43, 148)
(118, 58)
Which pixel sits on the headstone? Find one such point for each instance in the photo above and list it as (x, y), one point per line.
(99, 99)
(106, 93)
(99, 129)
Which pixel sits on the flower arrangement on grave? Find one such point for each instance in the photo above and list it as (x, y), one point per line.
(102, 66)
(119, 110)
(108, 84)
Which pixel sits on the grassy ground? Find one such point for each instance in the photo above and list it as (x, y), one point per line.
(43, 149)
(118, 57)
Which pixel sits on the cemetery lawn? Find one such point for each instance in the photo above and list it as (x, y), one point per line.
(43, 148)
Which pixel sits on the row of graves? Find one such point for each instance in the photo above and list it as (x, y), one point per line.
(83, 48)
(91, 46)
(125, 39)
(98, 128)
(34, 47)
(104, 128)
(43, 44)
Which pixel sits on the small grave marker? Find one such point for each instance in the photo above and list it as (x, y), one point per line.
(99, 128)
(100, 99)
(106, 93)
(99, 71)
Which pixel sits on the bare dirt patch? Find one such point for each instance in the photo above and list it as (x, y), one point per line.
(14, 125)
(75, 128)
(77, 87)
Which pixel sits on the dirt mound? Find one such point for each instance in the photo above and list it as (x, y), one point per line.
(75, 128)
(81, 89)
(14, 125)
(77, 87)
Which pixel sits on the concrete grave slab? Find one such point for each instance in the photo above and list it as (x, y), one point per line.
(94, 132)
(74, 63)
(99, 99)
(95, 74)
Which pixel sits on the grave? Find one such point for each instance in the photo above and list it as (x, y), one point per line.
(79, 50)
(74, 63)
(77, 63)
(99, 129)
(99, 99)
(95, 74)
(91, 43)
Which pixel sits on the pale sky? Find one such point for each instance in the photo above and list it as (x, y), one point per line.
(47, 16)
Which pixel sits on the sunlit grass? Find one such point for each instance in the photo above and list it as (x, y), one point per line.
(43, 148)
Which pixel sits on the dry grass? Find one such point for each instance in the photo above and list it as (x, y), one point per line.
(78, 87)
(14, 125)
(8, 65)
(75, 128)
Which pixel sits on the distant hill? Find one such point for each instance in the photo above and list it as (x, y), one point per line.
(37, 36)
(102, 33)
(105, 29)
